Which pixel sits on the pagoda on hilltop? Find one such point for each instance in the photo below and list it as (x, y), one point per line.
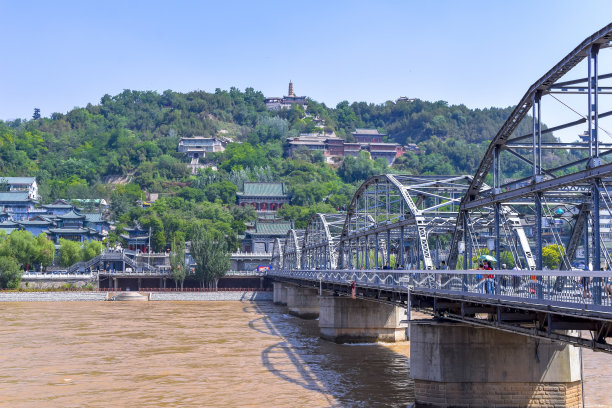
(276, 103)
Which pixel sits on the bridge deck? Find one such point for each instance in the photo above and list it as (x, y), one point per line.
(549, 304)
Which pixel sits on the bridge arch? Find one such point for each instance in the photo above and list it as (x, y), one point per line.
(395, 215)
(277, 254)
(570, 180)
(292, 249)
(321, 239)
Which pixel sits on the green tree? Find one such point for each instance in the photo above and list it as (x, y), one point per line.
(177, 262)
(212, 258)
(10, 274)
(90, 250)
(69, 252)
(552, 255)
(45, 250)
(507, 259)
(22, 246)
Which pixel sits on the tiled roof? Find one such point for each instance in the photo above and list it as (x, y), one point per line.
(59, 204)
(14, 197)
(19, 180)
(8, 224)
(34, 222)
(276, 227)
(264, 189)
(367, 132)
(71, 216)
(93, 217)
(72, 231)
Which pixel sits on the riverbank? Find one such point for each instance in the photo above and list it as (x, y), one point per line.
(77, 296)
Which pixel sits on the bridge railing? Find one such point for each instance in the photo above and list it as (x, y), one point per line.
(571, 287)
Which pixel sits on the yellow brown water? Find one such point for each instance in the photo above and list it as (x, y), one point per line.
(216, 354)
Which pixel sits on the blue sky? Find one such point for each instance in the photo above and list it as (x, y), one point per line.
(58, 55)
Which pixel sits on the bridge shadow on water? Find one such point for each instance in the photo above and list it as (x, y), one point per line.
(346, 375)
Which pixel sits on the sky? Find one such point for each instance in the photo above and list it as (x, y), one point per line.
(63, 54)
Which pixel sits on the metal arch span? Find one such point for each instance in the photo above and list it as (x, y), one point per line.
(277, 254)
(292, 249)
(574, 175)
(542, 85)
(321, 240)
(391, 209)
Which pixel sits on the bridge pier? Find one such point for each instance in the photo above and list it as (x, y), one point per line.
(280, 293)
(347, 320)
(303, 302)
(458, 365)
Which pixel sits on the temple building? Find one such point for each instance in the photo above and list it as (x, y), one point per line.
(263, 196)
(276, 103)
(17, 204)
(59, 207)
(73, 226)
(27, 184)
(368, 136)
(197, 147)
(387, 151)
(137, 239)
(260, 237)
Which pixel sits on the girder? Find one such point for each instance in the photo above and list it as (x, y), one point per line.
(292, 249)
(321, 239)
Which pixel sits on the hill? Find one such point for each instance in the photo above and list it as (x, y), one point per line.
(132, 138)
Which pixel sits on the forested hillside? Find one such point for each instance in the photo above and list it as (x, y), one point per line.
(131, 140)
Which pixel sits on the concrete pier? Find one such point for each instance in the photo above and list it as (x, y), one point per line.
(303, 302)
(347, 320)
(456, 365)
(280, 293)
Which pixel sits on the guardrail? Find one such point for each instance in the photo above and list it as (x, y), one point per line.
(245, 273)
(578, 288)
(58, 276)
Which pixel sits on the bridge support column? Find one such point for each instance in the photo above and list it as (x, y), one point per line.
(280, 293)
(303, 302)
(457, 365)
(347, 320)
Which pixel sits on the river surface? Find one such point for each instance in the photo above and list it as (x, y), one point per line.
(192, 354)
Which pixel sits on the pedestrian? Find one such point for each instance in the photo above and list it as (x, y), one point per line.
(480, 280)
(489, 278)
(586, 293)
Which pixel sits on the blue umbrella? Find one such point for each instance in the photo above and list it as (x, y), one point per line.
(487, 258)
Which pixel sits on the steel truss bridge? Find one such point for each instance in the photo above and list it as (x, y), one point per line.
(533, 196)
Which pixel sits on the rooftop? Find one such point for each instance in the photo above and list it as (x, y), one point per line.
(19, 180)
(59, 204)
(272, 227)
(93, 217)
(264, 189)
(367, 132)
(14, 197)
(71, 216)
(34, 222)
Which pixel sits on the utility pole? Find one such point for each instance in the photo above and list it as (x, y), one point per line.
(149, 251)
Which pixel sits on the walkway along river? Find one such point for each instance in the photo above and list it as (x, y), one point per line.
(217, 354)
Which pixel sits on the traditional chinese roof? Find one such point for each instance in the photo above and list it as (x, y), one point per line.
(369, 132)
(19, 180)
(93, 217)
(59, 204)
(80, 231)
(8, 224)
(263, 189)
(14, 197)
(35, 222)
(273, 227)
(71, 216)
